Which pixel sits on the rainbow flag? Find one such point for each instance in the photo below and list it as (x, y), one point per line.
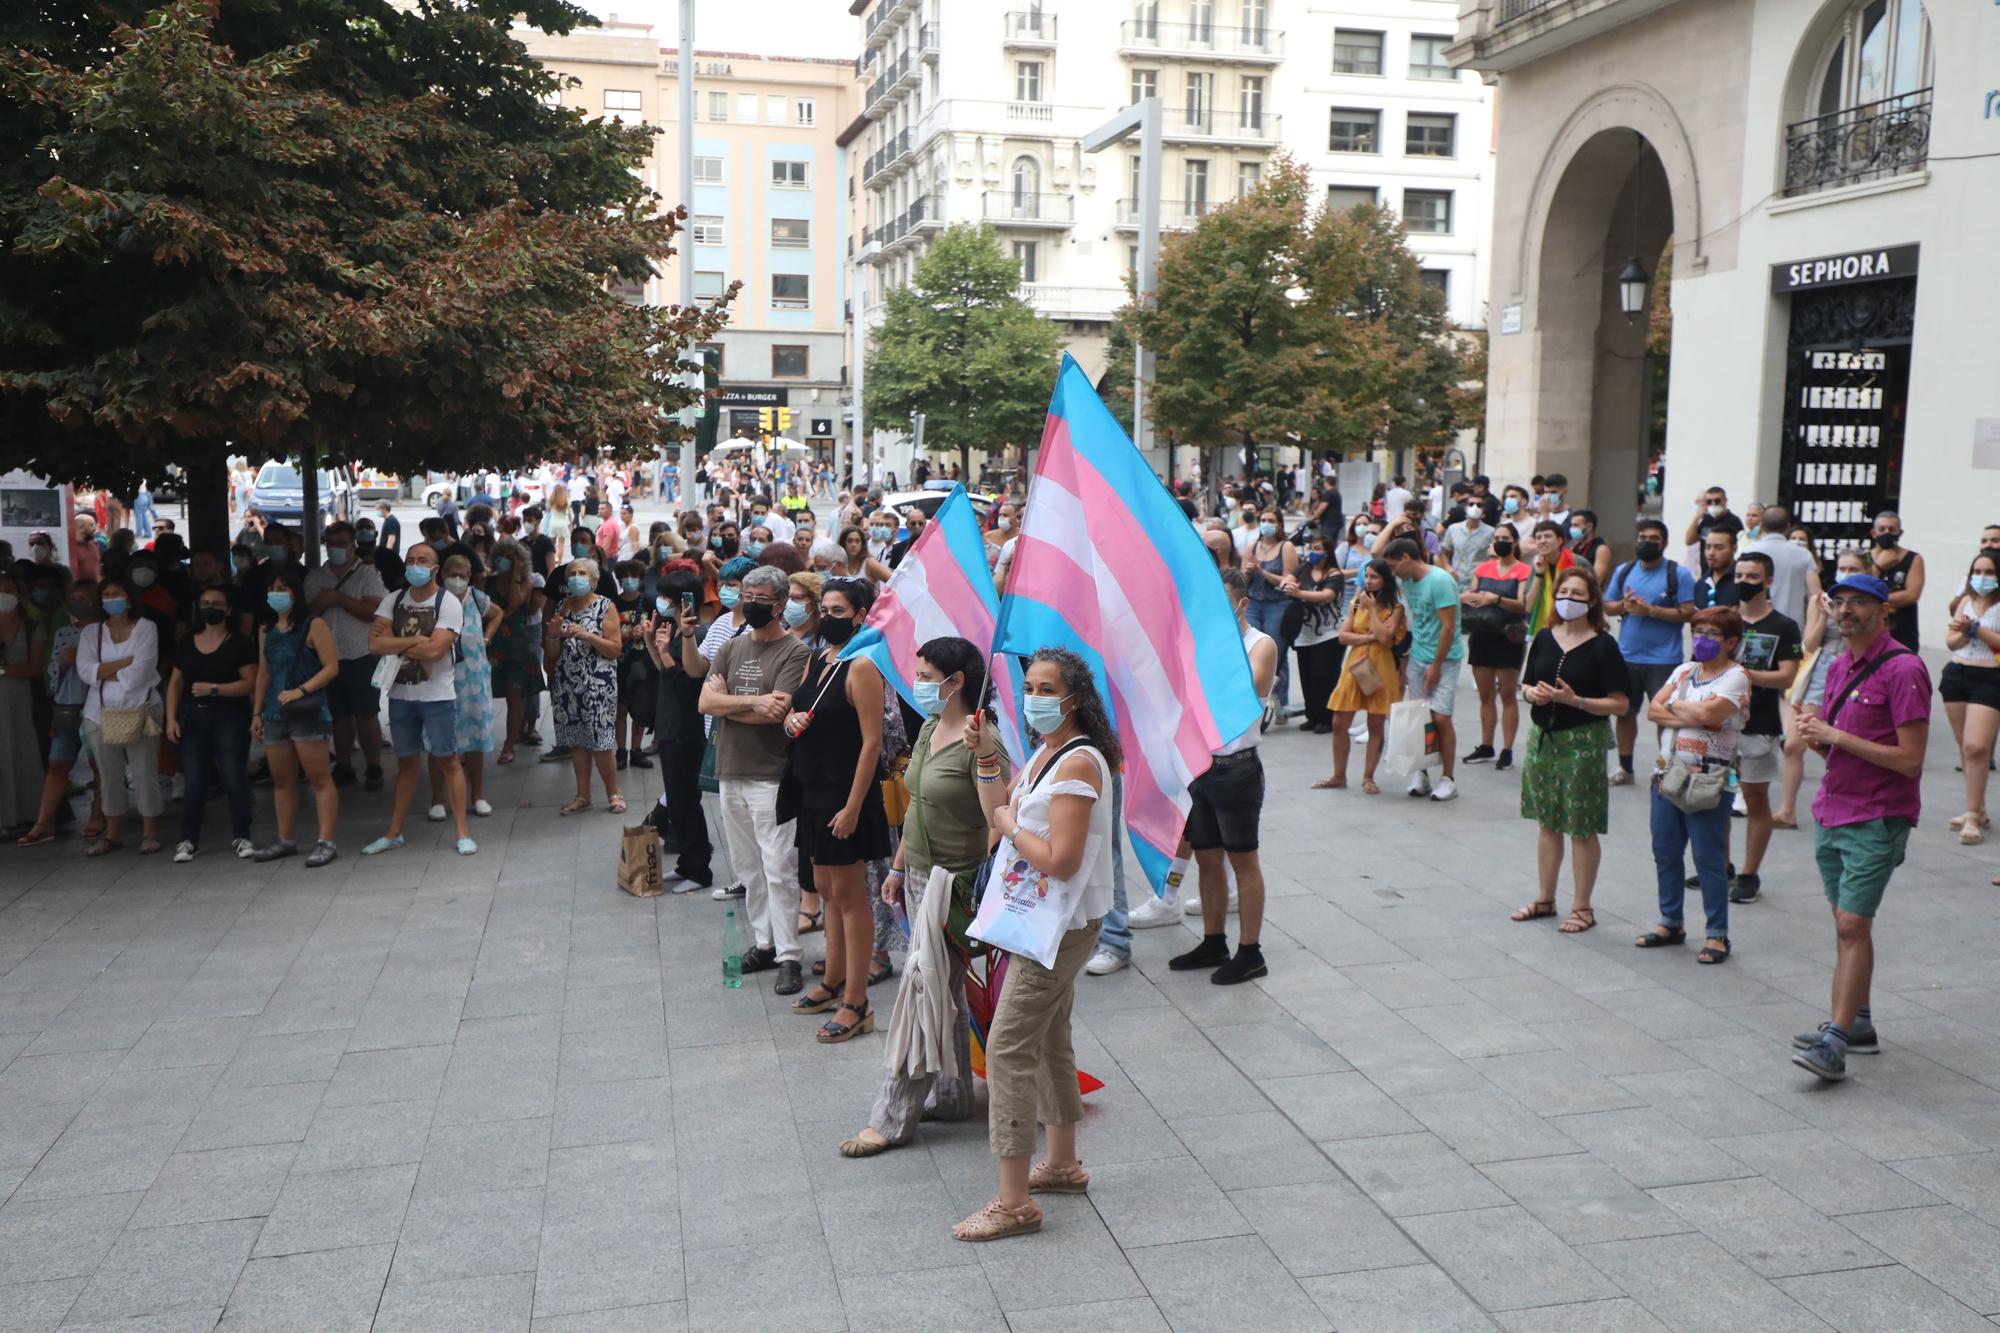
(1108, 565)
(942, 587)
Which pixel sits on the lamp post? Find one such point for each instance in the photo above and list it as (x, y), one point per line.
(1141, 118)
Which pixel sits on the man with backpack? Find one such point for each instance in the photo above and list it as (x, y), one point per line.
(1653, 598)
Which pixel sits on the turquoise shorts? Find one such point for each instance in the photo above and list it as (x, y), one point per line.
(1856, 860)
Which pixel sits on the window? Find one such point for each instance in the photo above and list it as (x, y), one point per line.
(1199, 106)
(1427, 211)
(1024, 258)
(788, 362)
(1250, 103)
(791, 233)
(1354, 130)
(1027, 186)
(790, 175)
(718, 106)
(1249, 175)
(708, 283)
(1132, 182)
(622, 104)
(774, 109)
(1256, 22)
(1194, 187)
(706, 229)
(1027, 80)
(1146, 20)
(1870, 103)
(632, 291)
(1201, 22)
(1438, 278)
(1145, 83)
(708, 171)
(1131, 259)
(1356, 52)
(1427, 58)
(805, 111)
(746, 108)
(790, 291)
(1430, 135)
(1342, 198)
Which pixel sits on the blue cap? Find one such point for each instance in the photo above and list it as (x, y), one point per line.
(1863, 583)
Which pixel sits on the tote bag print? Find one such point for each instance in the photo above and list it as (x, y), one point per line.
(1023, 910)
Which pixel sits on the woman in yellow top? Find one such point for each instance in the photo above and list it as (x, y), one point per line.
(1374, 623)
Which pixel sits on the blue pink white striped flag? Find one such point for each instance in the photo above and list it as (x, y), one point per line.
(942, 587)
(1108, 565)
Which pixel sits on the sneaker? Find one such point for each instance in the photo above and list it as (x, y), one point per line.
(1506, 761)
(1481, 754)
(184, 852)
(1155, 911)
(1104, 962)
(466, 847)
(733, 891)
(1420, 782)
(1247, 965)
(1213, 951)
(1863, 1042)
(381, 845)
(555, 754)
(436, 814)
(344, 775)
(1621, 777)
(621, 761)
(679, 883)
(1191, 906)
(1746, 889)
(1822, 1060)
(791, 979)
(639, 759)
(758, 959)
(244, 849)
(1694, 881)
(371, 778)
(1445, 791)
(482, 807)
(322, 852)
(1738, 810)
(277, 851)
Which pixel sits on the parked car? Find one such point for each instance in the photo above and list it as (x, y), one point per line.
(465, 487)
(934, 494)
(279, 494)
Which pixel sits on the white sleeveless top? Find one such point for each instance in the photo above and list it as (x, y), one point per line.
(1032, 813)
(1254, 733)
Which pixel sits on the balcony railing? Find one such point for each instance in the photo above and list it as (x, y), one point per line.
(927, 41)
(1027, 27)
(1864, 143)
(1174, 213)
(1066, 301)
(1510, 10)
(1031, 111)
(1254, 127)
(1023, 209)
(1218, 39)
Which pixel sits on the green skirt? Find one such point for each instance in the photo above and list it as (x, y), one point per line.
(1564, 785)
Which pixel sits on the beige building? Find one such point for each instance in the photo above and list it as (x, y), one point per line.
(768, 206)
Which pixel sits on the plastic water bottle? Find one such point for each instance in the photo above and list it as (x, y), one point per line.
(732, 952)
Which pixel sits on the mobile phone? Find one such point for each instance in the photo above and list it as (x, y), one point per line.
(687, 602)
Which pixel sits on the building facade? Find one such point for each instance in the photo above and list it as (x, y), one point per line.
(767, 207)
(1825, 173)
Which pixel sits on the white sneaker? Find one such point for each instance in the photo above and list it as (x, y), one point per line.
(482, 807)
(244, 849)
(1155, 911)
(1419, 781)
(1192, 907)
(184, 852)
(1104, 962)
(436, 814)
(1444, 791)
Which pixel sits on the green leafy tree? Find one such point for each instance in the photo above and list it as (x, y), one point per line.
(960, 345)
(345, 228)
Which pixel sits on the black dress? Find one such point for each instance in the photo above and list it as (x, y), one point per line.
(822, 759)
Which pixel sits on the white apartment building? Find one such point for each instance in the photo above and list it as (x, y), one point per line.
(1378, 115)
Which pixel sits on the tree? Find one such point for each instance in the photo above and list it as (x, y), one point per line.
(344, 228)
(960, 345)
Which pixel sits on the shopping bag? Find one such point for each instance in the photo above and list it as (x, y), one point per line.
(1025, 911)
(1413, 739)
(639, 862)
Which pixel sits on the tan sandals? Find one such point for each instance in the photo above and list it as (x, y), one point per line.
(1534, 911)
(996, 1221)
(860, 1147)
(1046, 1179)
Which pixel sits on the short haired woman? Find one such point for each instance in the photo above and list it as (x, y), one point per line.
(296, 659)
(580, 645)
(635, 668)
(515, 648)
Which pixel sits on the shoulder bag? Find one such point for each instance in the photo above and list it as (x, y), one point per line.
(122, 726)
(1848, 687)
(307, 707)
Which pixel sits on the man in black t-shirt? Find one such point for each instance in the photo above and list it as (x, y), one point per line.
(1772, 648)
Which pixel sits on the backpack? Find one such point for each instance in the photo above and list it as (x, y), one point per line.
(1620, 574)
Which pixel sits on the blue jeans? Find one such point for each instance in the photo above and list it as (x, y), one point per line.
(220, 734)
(1674, 829)
(1114, 936)
(1266, 616)
(423, 726)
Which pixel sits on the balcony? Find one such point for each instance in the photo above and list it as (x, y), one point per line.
(1088, 305)
(909, 73)
(1212, 41)
(1031, 112)
(1499, 35)
(927, 41)
(1038, 212)
(1175, 214)
(1028, 28)
(1210, 125)
(1864, 143)
(925, 215)
(877, 30)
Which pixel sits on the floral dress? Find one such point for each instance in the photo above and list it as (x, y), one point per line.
(516, 655)
(472, 674)
(586, 684)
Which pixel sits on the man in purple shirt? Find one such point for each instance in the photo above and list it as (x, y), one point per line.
(1872, 731)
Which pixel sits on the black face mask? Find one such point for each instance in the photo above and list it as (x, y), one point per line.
(1749, 592)
(835, 630)
(214, 615)
(1503, 548)
(758, 614)
(1649, 551)
(1888, 541)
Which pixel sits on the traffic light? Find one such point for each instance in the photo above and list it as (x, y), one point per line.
(764, 419)
(784, 419)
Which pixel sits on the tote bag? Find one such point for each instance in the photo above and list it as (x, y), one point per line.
(1413, 738)
(1022, 910)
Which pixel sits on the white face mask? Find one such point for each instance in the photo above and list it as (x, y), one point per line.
(1572, 608)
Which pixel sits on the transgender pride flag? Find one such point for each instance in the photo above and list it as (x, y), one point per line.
(1108, 565)
(942, 587)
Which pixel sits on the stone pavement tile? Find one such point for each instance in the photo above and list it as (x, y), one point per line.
(335, 1006)
(1466, 959)
(638, 1174)
(1337, 1106)
(1648, 1149)
(600, 1260)
(639, 1108)
(1587, 970)
(189, 1319)
(61, 1238)
(503, 1304)
(773, 1285)
(1234, 1282)
(1709, 1106)
(1410, 985)
(1407, 1174)
(97, 1029)
(917, 1302)
(1946, 1245)
(1253, 1149)
(519, 1090)
(331, 1291)
(38, 1307)
(1119, 1124)
(541, 992)
(1613, 1046)
(217, 1186)
(510, 1040)
(1071, 1261)
(1767, 1228)
(335, 1209)
(1161, 1203)
(1619, 1316)
(453, 1236)
(634, 1004)
(480, 1159)
(47, 1080)
(242, 1117)
(1536, 999)
(160, 1270)
(403, 1074)
(599, 966)
(375, 1134)
(112, 1160)
(1726, 1297)
(1475, 1029)
(606, 1055)
(1177, 1070)
(892, 1226)
(150, 1097)
(1139, 1315)
(1554, 1083)
(1210, 1005)
(1414, 1299)
(291, 1057)
(390, 1024)
(1274, 1048)
(1830, 1177)
(1869, 1299)
(1971, 1180)
(1487, 1125)
(1506, 1259)
(1665, 1014)
(1581, 1199)
(176, 1045)
(1408, 1064)
(662, 1317)
(1336, 1015)
(1325, 1226)
(1875, 1120)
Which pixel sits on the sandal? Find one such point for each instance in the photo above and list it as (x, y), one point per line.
(1779, 822)
(880, 970)
(1368, 786)
(87, 833)
(811, 1004)
(1534, 911)
(575, 807)
(1659, 937)
(507, 755)
(1330, 784)
(104, 846)
(860, 1147)
(833, 1030)
(1710, 954)
(1046, 1179)
(615, 806)
(812, 921)
(150, 846)
(35, 837)
(1579, 920)
(996, 1221)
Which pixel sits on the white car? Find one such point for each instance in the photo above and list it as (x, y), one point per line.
(930, 497)
(465, 487)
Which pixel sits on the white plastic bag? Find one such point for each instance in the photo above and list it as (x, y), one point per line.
(1413, 739)
(1024, 911)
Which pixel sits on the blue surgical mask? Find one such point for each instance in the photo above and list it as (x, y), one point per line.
(501, 564)
(1043, 712)
(795, 614)
(339, 555)
(930, 697)
(1267, 529)
(115, 606)
(729, 597)
(419, 576)
(1984, 584)
(663, 605)
(1510, 505)
(1314, 557)
(578, 585)
(280, 602)
(754, 549)
(628, 585)
(579, 549)
(1575, 533)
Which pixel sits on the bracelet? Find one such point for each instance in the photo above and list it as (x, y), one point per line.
(893, 874)
(981, 777)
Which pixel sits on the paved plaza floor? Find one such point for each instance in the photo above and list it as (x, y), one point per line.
(421, 1092)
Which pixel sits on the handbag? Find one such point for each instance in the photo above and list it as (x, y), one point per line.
(1689, 788)
(126, 726)
(1022, 910)
(307, 707)
(896, 791)
(1364, 675)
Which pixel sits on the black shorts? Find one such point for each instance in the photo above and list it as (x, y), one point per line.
(1962, 684)
(353, 692)
(1643, 680)
(1497, 651)
(1226, 803)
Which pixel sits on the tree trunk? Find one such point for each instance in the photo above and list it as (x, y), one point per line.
(207, 499)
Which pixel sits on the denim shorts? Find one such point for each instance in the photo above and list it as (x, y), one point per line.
(282, 730)
(1444, 697)
(423, 726)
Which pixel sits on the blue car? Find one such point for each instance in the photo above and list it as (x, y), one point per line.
(279, 495)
